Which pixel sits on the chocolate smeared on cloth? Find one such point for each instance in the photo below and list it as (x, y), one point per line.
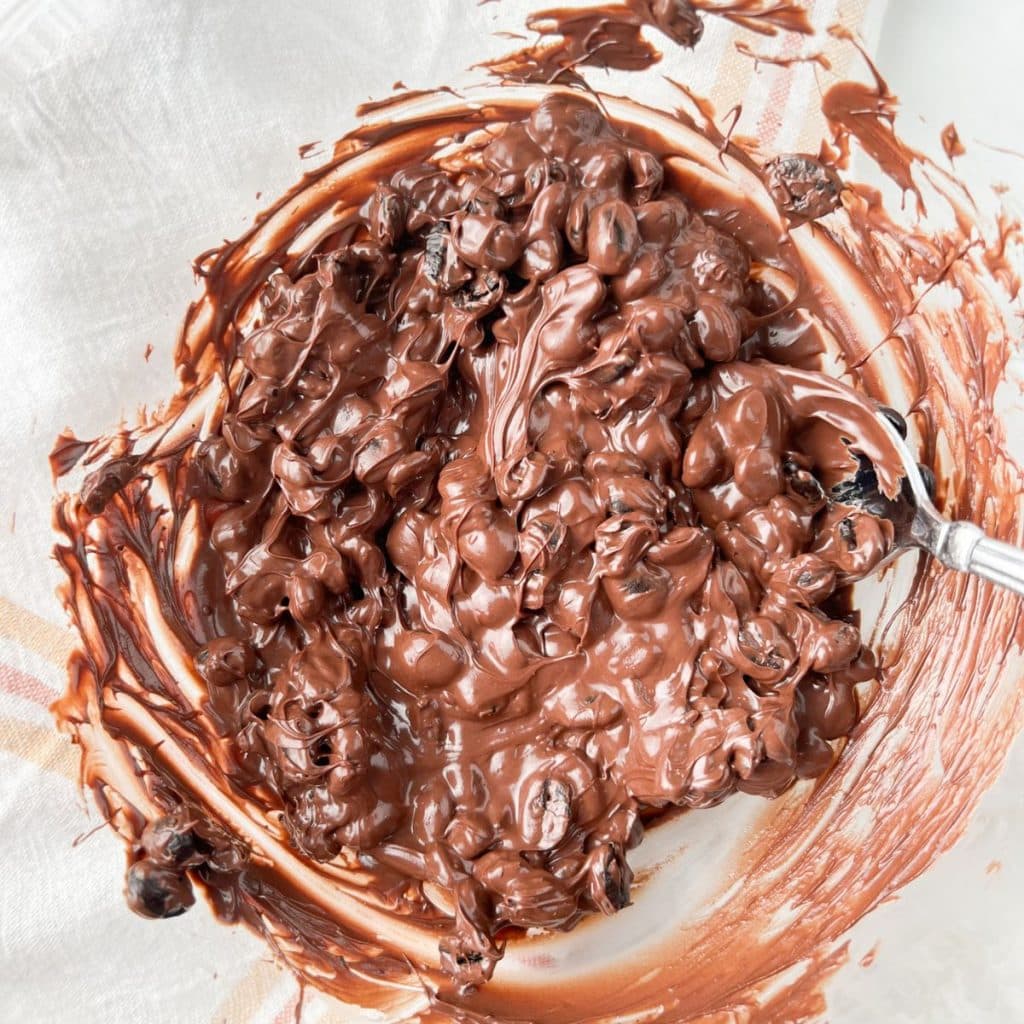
(482, 529)
(616, 35)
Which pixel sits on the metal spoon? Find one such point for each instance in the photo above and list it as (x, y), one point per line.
(958, 545)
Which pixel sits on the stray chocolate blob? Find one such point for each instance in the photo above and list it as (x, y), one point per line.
(169, 843)
(102, 484)
(951, 143)
(156, 891)
(678, 19)
(803, 186)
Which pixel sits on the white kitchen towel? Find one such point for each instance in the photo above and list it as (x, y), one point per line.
(133, 136)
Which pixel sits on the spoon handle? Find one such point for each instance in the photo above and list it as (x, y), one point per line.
(965, 546)
(1001, 563)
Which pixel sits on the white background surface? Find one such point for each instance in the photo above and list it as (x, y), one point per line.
(134, 135)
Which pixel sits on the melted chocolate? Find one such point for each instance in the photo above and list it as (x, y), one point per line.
(611, 35)
(496, 546)
(867, 113)
(604, 35)
(486, 531)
